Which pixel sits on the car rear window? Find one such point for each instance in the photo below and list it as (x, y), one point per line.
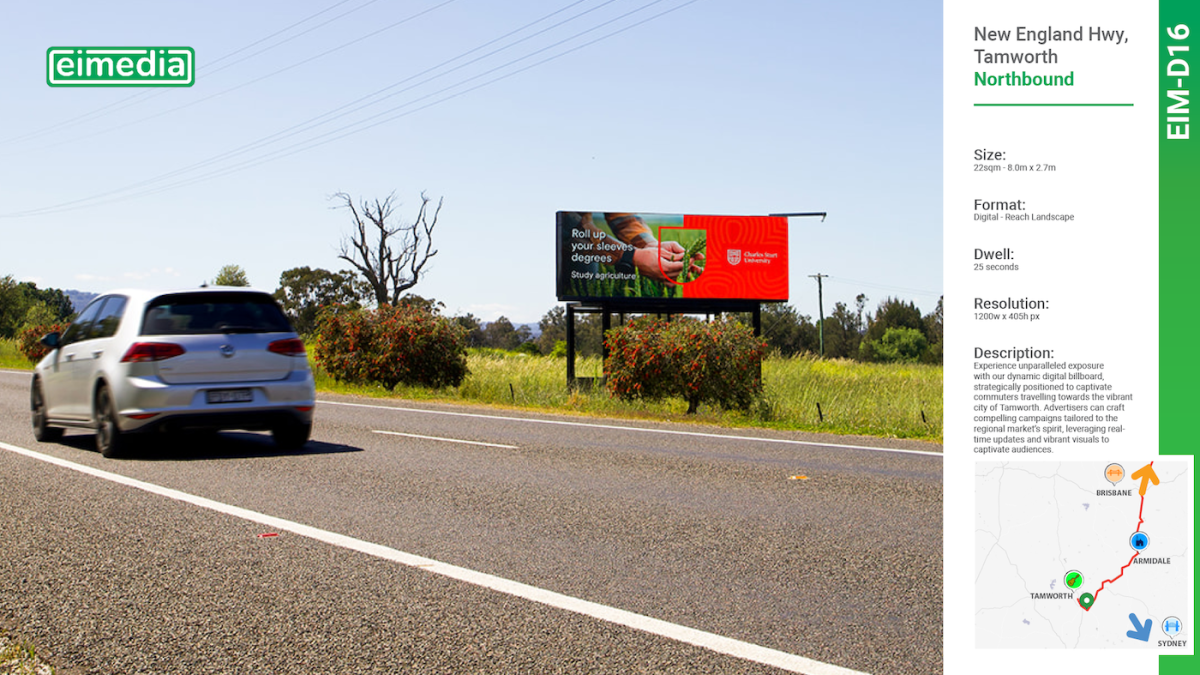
(213, 313)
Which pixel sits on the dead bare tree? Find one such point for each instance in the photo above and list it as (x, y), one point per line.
(389, 256)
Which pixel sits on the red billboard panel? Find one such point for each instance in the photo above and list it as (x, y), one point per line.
(610, 256)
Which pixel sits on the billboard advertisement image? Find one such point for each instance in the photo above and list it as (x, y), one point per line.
(654, 257)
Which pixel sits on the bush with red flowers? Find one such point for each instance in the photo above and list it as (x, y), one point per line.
(390, 346)
(718, 363)
(29, 340)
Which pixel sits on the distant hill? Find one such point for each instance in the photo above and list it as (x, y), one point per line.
(80, 299)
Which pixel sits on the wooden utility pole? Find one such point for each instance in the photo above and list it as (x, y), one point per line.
(820, 308)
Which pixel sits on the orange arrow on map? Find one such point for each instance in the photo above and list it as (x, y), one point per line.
(1146, 473)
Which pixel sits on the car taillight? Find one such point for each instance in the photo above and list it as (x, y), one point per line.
(140, 352)
(288, 347)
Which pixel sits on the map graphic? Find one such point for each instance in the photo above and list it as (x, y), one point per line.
(1084, 555)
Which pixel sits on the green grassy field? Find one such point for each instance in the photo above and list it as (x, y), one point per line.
(11, 357)
(887, 400)
(898, 401)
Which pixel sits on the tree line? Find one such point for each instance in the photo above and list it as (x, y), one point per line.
(23, 304)
(389, 257)
(895, 331)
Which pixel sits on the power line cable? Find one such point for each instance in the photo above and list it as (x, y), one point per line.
(309, 144)
(73, 141)
(312, 122)
(286, 40)
(135, 98)
(315, 122)
(300, 147)
(264, 141)
(276, 154)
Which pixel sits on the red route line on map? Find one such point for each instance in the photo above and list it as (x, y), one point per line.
(1135, 553)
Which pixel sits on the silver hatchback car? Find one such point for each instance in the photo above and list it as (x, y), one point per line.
(136, 362)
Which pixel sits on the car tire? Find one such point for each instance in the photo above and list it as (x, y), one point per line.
(42, 431)
(109, 439)
(291, 436)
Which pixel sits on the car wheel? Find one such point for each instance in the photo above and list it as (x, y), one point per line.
(42, 431)
(109, 440)
(291, 436)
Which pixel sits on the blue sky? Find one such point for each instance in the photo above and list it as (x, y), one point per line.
(715, 106)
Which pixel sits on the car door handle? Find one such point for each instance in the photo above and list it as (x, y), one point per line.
(70, 357)
(96, 354)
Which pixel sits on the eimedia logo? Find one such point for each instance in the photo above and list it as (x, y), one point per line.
(120, 66)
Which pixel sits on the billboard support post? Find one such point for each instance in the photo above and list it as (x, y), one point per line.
(570, 344)
(663, 310)
(605, 324)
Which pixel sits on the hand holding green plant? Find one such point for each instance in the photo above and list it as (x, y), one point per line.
(694, 255)
(659, 261)
(666, 261)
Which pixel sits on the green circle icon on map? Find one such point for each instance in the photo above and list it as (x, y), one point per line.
(1073, 579)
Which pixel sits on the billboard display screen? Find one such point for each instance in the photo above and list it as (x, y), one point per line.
(629, 257)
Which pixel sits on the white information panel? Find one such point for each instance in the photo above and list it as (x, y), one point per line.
(1069, 534)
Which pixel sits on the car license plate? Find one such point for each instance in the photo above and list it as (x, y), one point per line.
(230, 395)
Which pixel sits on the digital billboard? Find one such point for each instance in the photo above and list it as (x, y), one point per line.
(627, 257)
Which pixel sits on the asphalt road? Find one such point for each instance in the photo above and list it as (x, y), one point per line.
(704, 529)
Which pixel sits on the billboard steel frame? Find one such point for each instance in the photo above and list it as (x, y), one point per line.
(607, 309)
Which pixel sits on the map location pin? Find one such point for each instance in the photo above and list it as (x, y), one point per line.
(1139, 541)
(1113, 473)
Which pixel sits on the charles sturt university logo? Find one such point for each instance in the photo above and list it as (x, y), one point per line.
(733, 255)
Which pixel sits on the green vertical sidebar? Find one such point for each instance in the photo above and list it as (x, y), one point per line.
(1179, 245)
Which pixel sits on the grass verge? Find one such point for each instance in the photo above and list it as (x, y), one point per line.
(11, 356)
(800, 393)
(887, 400)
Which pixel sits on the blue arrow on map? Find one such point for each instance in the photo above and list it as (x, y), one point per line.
(1140, 631)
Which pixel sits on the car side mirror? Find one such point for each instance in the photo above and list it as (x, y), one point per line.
(50, 340)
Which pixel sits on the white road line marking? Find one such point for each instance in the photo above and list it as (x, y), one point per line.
(621, 428)
(17, 372)
(699, 638)
(447, 440)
